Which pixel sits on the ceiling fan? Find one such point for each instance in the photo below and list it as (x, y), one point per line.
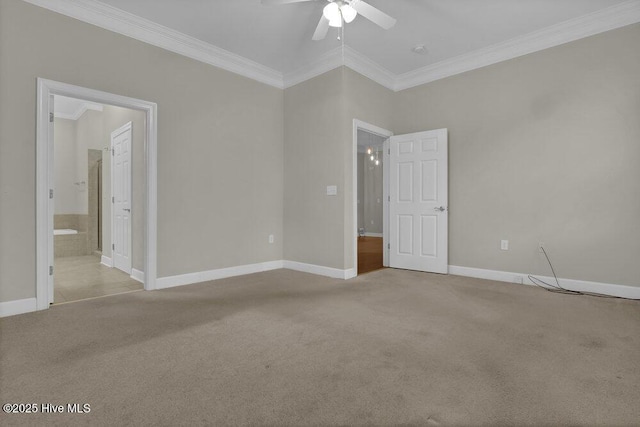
(338, 11)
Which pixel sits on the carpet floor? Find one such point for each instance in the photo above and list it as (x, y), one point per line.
(287, 348)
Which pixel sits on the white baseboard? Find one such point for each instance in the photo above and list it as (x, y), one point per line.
(221, 273)
(373, 234)
(350, 273)
(623, 291)
(20, 306)
(137, 275)
(320, 270)
(104, 260)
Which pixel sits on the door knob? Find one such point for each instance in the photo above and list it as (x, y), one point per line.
(128, 210)
(441, 209)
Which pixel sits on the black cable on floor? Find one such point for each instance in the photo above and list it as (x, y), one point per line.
(559, 289)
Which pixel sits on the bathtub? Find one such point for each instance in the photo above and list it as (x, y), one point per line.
(64, 232)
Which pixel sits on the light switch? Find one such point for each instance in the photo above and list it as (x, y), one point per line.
(332, 190)
(504, 245)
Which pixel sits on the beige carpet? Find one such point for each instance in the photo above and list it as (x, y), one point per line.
(287, 348)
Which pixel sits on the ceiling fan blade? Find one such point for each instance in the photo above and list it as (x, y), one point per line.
(321, 29)
(276, 2)
(372, 14)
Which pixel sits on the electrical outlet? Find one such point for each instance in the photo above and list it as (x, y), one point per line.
(504, 245)
(540, 246)
(271, 238)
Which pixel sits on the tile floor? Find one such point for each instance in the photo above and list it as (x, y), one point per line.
(82, 277)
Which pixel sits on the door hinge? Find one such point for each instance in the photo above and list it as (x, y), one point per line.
(388, 150)
(113, 199)
(113, 152)
(51, 193)
(113, 246)
(51, 270)
(51, 117)
(388, 245)
(388, 198)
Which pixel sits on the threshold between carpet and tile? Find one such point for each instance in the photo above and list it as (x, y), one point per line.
(83, 277)
(289, 348)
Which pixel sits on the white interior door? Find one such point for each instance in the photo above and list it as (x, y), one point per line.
(418, 190)
(121, 197)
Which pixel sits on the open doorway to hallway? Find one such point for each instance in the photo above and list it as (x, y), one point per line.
(98, 167)
(370, 196)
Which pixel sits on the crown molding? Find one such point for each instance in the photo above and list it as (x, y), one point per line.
(365, 66)
(113, 19)
(79, 112)
(127, 24)
(626, 13)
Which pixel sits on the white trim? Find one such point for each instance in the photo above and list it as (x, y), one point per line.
(574, 29)
(623, 291)
(386, 175)
(221, 273)
(368, 68)
(373, 234)
(130, 25)
(127, 24)
(106, 261)
(20, 306)
(137, 275)
(44, 227)
(320, 270)
(359, 124)
(350, 273)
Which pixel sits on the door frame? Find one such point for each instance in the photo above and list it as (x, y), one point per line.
(368, 127)
(127, 126)
(44, 181)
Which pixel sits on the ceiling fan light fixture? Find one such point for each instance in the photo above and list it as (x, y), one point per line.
(348, 13)
(332, 13)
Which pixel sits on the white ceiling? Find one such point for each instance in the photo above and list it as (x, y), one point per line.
(72, 108)
(279, 37)
(272, 44)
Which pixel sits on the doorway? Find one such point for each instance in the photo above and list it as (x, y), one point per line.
(88, 192)
(370, 196)
(414, 203)
(81, 139)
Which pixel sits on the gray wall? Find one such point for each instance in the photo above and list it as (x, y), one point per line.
(318, 152)
(543, 148)
(361, 160)
(314, 157)
(220, 142)
(373, 196)
(65, 156)
(370, 184)
(89, 135)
